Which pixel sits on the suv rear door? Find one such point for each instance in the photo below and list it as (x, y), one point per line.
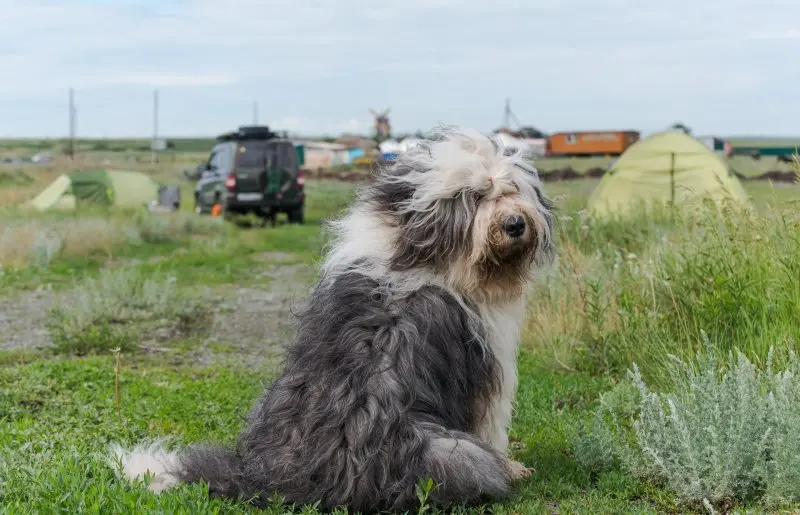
(250, 171)
(284, 162)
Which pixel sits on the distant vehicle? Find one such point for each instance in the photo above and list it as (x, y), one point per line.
(591, 143)
(42, 157)
(252, 170)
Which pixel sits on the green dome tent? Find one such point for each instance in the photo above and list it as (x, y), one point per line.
(99, 187)
(664, 167)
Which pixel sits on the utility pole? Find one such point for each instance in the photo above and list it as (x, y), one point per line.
(509, 115)
(71, 109)
(155, 124)
(255, 113)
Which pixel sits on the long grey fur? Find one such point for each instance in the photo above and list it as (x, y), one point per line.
(374, 392)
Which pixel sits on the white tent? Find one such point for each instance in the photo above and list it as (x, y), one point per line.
(529, 146)
(390, 146)
(408, 143)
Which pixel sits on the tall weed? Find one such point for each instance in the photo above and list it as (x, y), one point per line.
(731, 272)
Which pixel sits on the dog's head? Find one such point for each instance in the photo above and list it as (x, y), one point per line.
(462, 206)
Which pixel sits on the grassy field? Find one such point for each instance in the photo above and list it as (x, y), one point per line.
(186, 153)
(199, 312)
(27, 146)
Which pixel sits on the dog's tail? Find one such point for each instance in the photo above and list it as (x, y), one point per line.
(219, 467)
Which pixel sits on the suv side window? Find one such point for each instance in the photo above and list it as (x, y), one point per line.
(220, 159)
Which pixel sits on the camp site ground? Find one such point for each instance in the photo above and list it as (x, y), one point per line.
(118, 324)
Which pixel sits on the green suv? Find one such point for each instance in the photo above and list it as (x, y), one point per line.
(252, 170)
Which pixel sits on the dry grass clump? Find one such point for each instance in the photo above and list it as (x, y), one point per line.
(38, 241)
(118, 309)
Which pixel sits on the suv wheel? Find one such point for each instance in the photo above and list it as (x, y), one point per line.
(296, 215)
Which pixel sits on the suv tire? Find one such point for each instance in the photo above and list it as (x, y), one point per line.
(296, 215)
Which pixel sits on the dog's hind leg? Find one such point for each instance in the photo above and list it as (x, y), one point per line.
(219, 467)
(465, 469)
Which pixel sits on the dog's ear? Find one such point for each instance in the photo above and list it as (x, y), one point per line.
(388, 191)
(390, 196)
(435, 237)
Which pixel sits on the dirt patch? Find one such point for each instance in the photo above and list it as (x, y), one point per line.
(253, 319)
(22, 320)
(250, 323)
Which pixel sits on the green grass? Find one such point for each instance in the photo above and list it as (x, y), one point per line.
(622, 291)
(59, 416)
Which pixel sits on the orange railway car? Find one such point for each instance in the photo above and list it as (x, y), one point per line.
(588, 143)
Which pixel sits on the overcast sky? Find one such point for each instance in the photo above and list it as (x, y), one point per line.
(720, 66)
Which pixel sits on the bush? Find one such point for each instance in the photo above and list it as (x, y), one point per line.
(72, 335)
(725, 435)
(114, 310)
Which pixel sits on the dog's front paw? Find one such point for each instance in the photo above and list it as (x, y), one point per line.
(519, 471)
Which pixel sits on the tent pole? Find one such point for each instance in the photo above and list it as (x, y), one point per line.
(672, 176)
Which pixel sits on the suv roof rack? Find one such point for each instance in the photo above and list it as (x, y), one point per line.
(249, 132)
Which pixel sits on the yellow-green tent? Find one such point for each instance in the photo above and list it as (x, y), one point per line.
(97, 187)
(666, 167)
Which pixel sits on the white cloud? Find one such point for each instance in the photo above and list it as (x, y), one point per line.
(320, 63)
(322, 126)
(165, 80)
(788, 34)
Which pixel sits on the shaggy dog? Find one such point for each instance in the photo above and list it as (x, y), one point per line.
(404, 363)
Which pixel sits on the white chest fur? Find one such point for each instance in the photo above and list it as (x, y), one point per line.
(503, 324)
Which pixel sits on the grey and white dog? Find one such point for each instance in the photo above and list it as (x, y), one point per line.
(404, 362)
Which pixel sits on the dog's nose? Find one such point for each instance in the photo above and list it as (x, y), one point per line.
(514, 226)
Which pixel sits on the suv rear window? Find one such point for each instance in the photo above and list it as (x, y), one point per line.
(251, 155)
(282, 155)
